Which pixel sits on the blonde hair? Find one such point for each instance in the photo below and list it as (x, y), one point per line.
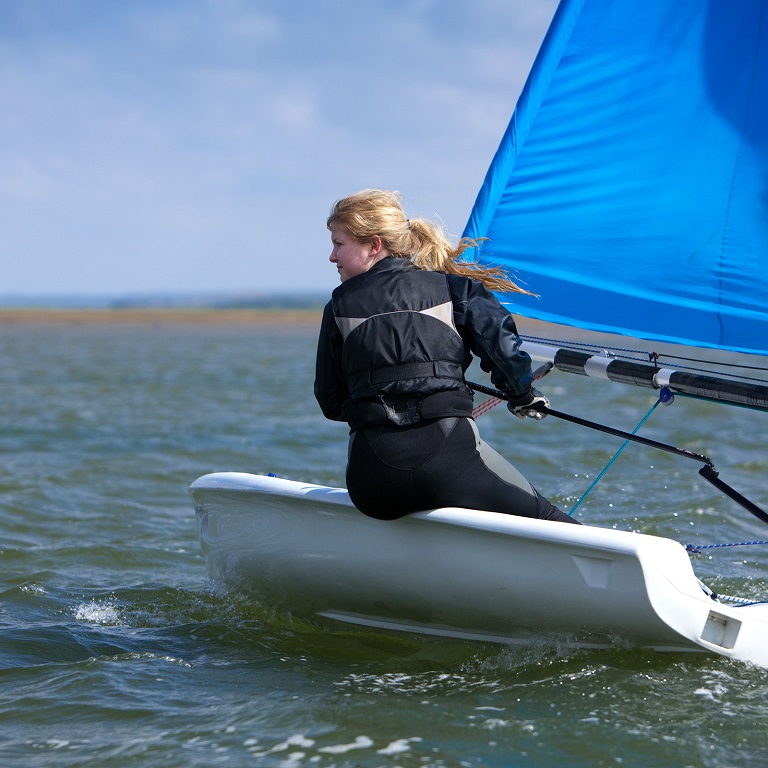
(379, 213)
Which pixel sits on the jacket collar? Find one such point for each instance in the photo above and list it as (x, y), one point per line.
(391, 263)
(387, 264)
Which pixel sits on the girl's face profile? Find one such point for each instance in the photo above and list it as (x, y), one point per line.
(350, 256)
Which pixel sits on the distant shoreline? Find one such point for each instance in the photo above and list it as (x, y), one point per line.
(179, 316)
(159, 316)
(275, 317)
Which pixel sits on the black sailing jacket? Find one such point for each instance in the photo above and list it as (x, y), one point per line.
(395, 342)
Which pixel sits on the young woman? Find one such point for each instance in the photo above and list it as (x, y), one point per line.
(395, 340)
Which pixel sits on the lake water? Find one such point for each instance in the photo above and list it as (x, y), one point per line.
(116, 650)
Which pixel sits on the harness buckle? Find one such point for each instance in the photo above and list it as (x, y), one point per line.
(402, 412)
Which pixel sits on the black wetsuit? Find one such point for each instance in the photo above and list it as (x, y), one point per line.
(394, 344)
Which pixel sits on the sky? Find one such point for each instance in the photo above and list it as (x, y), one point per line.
(197, 146)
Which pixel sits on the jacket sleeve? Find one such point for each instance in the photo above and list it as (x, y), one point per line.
(490, 333)
(330, 384)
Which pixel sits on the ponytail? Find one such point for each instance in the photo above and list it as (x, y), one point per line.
(379, 213)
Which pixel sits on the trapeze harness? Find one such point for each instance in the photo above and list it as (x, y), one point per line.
(413, 444)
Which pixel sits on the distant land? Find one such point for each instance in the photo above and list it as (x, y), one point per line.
(162, 310)
(167, 301)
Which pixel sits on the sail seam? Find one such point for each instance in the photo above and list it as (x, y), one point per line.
(736, 165)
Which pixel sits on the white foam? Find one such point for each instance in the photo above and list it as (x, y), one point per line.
(396, 747)
(97, 613)
(361, 742)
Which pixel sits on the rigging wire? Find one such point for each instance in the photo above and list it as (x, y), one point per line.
(615, 456)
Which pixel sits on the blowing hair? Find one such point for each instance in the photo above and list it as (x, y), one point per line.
(379, 213)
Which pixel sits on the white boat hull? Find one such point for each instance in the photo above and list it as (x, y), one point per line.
(463, 573)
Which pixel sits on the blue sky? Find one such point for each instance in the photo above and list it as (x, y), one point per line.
(196, 146)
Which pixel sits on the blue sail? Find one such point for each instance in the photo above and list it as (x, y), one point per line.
(630, 190)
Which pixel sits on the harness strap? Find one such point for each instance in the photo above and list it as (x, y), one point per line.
(407, 410)
(405, 371)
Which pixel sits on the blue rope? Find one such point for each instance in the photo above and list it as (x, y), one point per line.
(696, 548)
(615, 456)
(741, 602)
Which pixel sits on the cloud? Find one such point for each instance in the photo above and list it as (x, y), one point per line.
(143, 143)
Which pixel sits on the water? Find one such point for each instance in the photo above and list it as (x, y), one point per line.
(115, 650)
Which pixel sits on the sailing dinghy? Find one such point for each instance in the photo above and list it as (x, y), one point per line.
(629, 191)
